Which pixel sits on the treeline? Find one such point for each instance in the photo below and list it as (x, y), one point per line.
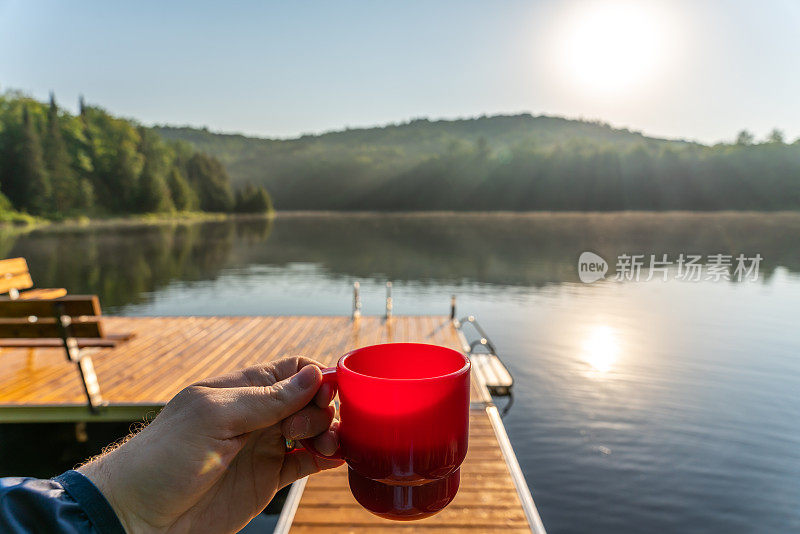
(516, 162)
(586, 176)
(55, 164)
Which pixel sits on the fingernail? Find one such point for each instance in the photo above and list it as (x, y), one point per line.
(299, 427)
(305, 378)
(326, 444)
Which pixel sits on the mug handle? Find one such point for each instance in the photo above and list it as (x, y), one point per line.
(328, 377)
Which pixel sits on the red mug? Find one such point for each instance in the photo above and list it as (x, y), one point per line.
(404, 412)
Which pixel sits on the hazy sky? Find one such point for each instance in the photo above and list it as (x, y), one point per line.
(675, 68)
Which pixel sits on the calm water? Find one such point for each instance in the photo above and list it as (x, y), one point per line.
(640, 406)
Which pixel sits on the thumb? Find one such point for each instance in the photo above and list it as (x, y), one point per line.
(252, 408)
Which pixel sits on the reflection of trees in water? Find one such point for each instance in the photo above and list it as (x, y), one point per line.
(123, 264)
(518, 249)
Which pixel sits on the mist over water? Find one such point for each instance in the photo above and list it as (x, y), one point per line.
(639, 406)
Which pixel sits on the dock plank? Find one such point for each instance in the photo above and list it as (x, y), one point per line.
(487, 500)
(168, 353)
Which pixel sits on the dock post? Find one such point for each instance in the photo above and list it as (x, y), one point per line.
(453, 308)
(388, 300)
(356, 301)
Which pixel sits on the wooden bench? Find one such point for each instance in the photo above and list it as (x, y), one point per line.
(14, 275)
(72, 322)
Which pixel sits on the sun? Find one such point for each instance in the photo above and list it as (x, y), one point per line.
(613, 46)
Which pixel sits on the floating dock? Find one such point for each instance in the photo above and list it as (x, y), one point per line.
(165, 354)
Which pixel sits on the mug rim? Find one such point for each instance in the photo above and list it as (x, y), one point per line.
(340, 364)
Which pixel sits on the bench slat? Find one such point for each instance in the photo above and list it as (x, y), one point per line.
(48, 328)
(73, 305)
(42, 293)
(13, 266)
(15, 281)
(109, 340)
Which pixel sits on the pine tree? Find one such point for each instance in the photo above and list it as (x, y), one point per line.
(10, 135)
(36, 191)
(57, 162)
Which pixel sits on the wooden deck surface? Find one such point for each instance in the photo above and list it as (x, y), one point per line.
(486, 502)
(169, 353)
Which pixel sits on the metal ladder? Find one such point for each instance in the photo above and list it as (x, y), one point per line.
(483, 355)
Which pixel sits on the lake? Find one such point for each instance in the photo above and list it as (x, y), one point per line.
(640, 406)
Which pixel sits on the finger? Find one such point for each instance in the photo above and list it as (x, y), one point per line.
(328, 442)
(260, 375)
(244, 409)
(325, 395)
(286, 367)
(301, 463)
(308, 422)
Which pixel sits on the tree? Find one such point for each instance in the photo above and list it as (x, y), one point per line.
(124, 178)
(183, 197)
(775, 136)
(52, 162)
(744, 138)
(115, 160)
(153, 191)
(58, 162)
(209, 178)
(154, 195)
(36, 191)
(84, 199)
(251, 199)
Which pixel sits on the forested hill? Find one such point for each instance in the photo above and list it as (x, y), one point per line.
(518, 162)
(55, 164)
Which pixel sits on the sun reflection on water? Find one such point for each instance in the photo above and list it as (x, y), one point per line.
(600, 349)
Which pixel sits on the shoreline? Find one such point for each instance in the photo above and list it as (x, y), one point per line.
(507, 213)
(199, 217)
(130, 220)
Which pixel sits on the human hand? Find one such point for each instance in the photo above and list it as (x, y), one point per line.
(215, 455)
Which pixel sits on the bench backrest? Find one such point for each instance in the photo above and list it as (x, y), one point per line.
(39, 319)
(14, 275)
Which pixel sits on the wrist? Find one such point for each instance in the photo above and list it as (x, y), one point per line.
(100, 473)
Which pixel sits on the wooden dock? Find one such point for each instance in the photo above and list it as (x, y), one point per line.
(166, 354)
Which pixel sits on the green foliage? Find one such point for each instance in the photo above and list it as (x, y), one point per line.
(154, 194)
(183, 196)
(113, 147)
(775, 136)
(516, 162)
(55, 164)
(252, 199)
(64, 181)
(744, 138)
(58, 165)
(34, 182)
(210, 179)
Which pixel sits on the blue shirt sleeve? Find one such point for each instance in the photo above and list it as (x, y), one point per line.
(69, 503)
